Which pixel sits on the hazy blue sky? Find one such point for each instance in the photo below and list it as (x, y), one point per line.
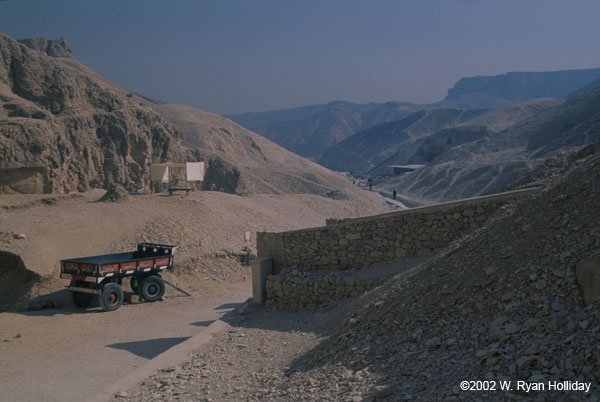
(235, 56)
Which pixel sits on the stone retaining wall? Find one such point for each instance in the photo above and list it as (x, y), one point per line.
(311, 292)
(380, 239)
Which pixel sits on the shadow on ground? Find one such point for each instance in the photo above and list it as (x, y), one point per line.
(62, 303)
(202, 323)
(149, 348)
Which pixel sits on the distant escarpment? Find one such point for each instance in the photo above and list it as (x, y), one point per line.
(521, 86)
(62, 130)
(52, 47)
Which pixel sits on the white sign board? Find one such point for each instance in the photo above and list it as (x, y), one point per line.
(194, 171)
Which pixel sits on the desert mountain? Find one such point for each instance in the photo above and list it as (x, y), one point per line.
(489, 162)
(515, 87)
(67, 128)
(309, 130)
(426, 149)
(248, 162)
(63, 130)
(52, 47)
(368, 148)
(585, 88)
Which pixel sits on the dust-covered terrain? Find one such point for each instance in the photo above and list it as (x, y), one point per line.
(208, 228)
(515, 300)
(65, 128)
(491, 151)
(506, 303)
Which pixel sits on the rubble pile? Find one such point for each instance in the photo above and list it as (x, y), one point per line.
(503, 304)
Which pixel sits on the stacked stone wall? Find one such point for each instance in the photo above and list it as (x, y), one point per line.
(311, 292)
(380, 239)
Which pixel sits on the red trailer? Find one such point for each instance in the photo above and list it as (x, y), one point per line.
(103, 275)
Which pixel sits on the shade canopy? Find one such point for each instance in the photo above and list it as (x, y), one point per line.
(159, 172)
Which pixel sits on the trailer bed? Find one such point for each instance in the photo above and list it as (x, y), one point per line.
(93, 275)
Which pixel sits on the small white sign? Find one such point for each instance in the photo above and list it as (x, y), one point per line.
(247, 236)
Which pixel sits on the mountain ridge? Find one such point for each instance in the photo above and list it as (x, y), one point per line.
(521, 86)
(65, 128)
(310, 130)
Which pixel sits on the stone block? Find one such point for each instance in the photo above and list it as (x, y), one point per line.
(588, 277)
(261, 269)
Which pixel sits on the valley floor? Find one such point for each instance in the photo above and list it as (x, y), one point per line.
(69, 354)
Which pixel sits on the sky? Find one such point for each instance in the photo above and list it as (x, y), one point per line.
(235, 56)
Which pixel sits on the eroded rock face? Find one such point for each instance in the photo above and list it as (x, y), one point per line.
(78, 132)
(52, 47)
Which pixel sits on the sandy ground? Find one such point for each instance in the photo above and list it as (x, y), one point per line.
(249, 361)
(259, 358)
(70, 354)
(208, 227)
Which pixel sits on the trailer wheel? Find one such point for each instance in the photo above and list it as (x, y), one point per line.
(152, 288)
(134, 283)
(82, 299)
(111, 297)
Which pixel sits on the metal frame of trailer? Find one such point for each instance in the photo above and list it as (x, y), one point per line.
(103, 275)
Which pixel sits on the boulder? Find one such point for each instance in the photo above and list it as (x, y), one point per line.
(115, 193)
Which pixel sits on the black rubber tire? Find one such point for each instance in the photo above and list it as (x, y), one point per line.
(112, 297)
(82, 299)
(134, 283)
(152, 288)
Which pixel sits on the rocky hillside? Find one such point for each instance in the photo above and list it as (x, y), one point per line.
(585, 88)
(367, 149)
(52, 47)
(66, 128)
(504, 151)
(516, 300)
(310, 130)
(62, 130)
(243, 162)
(517, 87)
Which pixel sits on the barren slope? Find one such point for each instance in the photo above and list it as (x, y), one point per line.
(502, 304)
(207, 226)
(518, 139)
(310, 130)
(368, 149)
(63, 130)
(252, 164)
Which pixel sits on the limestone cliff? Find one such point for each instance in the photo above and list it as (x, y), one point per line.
(52, 47)
(521, 86)
(62, 130)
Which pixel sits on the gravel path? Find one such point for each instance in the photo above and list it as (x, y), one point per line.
(257, 358)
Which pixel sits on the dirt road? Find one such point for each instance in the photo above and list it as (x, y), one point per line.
(70, 354)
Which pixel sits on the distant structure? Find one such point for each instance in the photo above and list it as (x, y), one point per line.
(167, 173)
(393, 170)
